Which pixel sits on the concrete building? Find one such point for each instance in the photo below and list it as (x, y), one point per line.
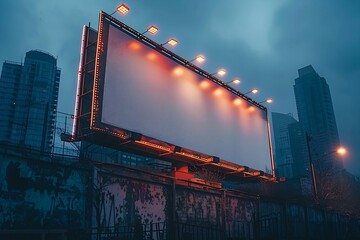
(28, 96)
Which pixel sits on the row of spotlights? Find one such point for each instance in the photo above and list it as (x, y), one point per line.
(123, 9)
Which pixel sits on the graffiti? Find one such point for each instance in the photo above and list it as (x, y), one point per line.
(37, 195)
(120, 201)
(196, 207)
(240, 210)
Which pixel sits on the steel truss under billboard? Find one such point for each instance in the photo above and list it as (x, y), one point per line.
(140, 96)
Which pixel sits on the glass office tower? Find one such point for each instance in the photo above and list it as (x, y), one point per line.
(29, 95)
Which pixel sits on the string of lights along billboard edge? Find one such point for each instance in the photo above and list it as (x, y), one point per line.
(144, 88)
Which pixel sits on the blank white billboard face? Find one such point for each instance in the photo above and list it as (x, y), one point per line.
(148, 93)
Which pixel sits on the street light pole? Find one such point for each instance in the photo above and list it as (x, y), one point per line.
(340, 151)
(313, 176)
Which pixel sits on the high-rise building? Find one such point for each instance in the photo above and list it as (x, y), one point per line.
(316, 116)
(291, 159)
(299, 151)
(28, 96)
(283, 156)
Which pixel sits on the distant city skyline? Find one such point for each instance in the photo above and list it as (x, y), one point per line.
(263, 43)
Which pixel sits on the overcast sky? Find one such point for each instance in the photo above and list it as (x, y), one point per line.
(262, 42)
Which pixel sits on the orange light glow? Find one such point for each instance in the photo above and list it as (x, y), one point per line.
(134, 45)
(178, 71)
(237, 102)
(236, 81)
(254, 91)
(172, 42)
(251, 109)
(221, 72)
(151, 56)
(123, 9)
(200, 59)
(218, 92)
(152, 29)
(341, 151)
(204, 84)
(269, 100)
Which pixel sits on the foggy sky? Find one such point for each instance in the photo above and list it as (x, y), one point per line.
(262, 42)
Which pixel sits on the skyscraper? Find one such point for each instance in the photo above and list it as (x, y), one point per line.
(291, 160)
(28, 96)
(316, 116)
(283, 155)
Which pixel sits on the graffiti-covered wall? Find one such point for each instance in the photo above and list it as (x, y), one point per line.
(120, 200)
(130, 199)
(40, 194)
(104, 198)
(198, 207)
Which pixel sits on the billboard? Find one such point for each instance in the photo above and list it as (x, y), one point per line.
(141, 87)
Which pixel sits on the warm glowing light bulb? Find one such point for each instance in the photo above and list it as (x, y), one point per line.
(254, 91)
(221, 72)
(341, 151)
(152, 29)
(269, 100)
(172, 42)
(236, 81)
(123, 9)
(200, 58)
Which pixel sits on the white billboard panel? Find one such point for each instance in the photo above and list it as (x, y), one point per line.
(146, 92)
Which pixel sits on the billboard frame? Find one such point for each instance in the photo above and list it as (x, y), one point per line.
(125, 137)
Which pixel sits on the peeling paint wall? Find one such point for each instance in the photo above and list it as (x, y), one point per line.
(198, 207)
(126, 201)
(40, 194)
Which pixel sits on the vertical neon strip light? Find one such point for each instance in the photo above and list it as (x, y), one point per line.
(95, 99)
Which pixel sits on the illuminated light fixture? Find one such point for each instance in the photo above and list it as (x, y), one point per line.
(253, 91)
(269, 100)
(153, 145)
(192, 156)
(199, 59)
(220, 72)
(123, 9)
(152, 29)
(235, 81)
(240, 169)
(171, 42)
(341, 151)
(256, 173)
(237, 102)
